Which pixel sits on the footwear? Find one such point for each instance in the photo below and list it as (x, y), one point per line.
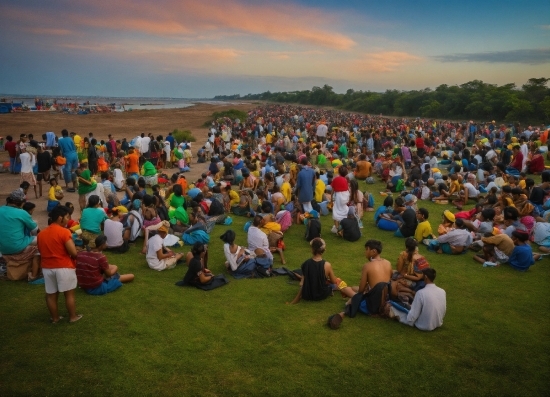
(334, 230)
(78, 317)
(37, 281)
(334, 321)
(71, 190)
(426, 241)
(55, 322)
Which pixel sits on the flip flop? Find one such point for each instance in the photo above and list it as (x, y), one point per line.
(78, 317)
(55, 322)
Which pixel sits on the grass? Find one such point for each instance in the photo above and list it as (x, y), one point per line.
(153, 338)
(231, 113)
(183, 135)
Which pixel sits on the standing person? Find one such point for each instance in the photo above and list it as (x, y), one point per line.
(305, 185)
(321, 132)
(44, 162)
(341, 198)
(28, 160)
(58, 253)
(429, 306)
(68, 150)
(11, 148)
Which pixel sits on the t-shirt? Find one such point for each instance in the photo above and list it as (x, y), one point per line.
(521, 258)
(153, 245)
(27, 162)
(192, 277)
(319, 190)
(51, 244)
(423, 230)
(315, 286)
(502, 242)
(89, 269)
(52, 191)
(11, 148)
(350, 229)
(92, 218)
(66, 145)
(113, 231)
(132, 163)
(339, 184)
(364, 169)
(472, 191)
(44, 161)
(82, 187)
(19, 221)
(408, 228)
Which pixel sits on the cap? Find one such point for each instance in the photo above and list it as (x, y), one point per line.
(449, 215)
(410, 197)
(17, 195)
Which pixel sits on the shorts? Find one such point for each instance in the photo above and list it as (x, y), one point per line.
(59, 280)
(28, 177)
(108, 285)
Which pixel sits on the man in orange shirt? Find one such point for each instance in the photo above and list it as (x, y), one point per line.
(363, 168)
(58, 253)
(132, 163)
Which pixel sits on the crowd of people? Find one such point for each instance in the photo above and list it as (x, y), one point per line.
(284, 166)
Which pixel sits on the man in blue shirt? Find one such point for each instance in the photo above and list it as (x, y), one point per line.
(68, 150)
(305, 185)
(522, 256)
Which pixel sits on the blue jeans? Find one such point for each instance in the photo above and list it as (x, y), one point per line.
(12, 164)
(70, 167)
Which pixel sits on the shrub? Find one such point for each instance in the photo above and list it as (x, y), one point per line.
(231, 113)
(183, 135)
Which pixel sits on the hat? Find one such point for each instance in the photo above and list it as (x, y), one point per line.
(410, 197)
(17, 195)
(521, 235)
(163, 228)
(495, 231)
(436, 170)
(351, 210)
(313, 214)
(449, 215)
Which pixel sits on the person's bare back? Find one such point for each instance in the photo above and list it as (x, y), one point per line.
(376, 270)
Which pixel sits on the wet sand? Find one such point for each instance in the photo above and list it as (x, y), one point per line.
(119, 124)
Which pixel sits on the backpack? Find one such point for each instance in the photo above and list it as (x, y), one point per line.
(313, 229)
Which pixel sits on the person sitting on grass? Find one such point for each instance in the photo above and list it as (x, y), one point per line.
(522, 257)
(349, 227)
(158, 257)
(454, 242)
(92, 220)
(199, 276)
(497, 248)
(423, 229)
(429, 306)
(373, 290)
(94, 273)
(240, 261)
(117, 235)
(447, 223)
(318, 279)
(409, 272)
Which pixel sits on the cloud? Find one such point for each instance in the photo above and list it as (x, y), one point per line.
(527, 56)
(50, 31)
(382, 62)
(544, 27)
(288, 23)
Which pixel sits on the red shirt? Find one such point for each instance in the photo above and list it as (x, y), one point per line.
(11, 148)
(339, 184)
(517, 163)
(419, 143)
(51, 244)
(89, 269)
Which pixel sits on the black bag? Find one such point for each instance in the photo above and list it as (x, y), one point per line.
(313, 229)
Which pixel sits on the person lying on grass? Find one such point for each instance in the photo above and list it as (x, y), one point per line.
(318, 279)
(94, 273)
(372, 293)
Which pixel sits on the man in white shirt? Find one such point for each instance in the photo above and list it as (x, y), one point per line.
(429, 306)
(258, 239)
(322, 130)
(28, 160)
(158, 257)
(145, 140)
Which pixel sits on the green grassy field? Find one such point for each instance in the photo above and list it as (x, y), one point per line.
(154, 338)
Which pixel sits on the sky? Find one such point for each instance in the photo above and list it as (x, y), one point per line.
(198, 49)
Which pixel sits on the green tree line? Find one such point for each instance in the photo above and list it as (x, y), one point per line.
(473, 100)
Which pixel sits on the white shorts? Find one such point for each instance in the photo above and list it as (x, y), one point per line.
(59, 280)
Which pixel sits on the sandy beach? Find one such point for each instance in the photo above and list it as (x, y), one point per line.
(119, 124)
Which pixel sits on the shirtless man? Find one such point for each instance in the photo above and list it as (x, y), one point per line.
(373, 287)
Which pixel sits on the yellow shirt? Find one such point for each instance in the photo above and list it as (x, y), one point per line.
(234, 198)
(455, 187)
(77, 139)
(423, 230)
(521, 183)
(268, 138)
(51, 192)
(319, 190)
(286, 190)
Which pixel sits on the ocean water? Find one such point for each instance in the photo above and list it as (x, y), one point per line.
(127, 103)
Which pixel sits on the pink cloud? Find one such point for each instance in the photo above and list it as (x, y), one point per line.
(382, 62)
(50, 31)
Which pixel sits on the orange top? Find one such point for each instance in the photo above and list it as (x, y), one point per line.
(132, 163)
(51, 244)
(183, 183)
(363, 170)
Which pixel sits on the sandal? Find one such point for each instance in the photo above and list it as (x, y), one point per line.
(78, 317)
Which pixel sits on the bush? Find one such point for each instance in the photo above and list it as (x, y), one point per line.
(231, 113)
(183, 135)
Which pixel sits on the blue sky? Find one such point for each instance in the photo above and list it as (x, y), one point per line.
(184, 48)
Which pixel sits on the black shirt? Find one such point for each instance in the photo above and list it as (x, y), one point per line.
(192, 275)
(409, 223)
(315, 286)
(350, 229)
(44, 161)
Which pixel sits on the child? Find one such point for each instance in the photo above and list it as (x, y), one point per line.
(54, 195)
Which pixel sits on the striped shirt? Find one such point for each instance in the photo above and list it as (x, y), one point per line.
(89, 269)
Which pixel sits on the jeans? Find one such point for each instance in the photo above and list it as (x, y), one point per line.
(70, 167)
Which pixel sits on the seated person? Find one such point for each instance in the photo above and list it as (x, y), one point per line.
(118, 235)
(318, 279)
(258, 239)
(54, 194)
(197, 275)
(93, 217)
(240, 262)
(408, 225)
(447, 223)
(363, 168)
(409, 277)
(94, 273)
(455, 241)
(158, 257)
(349, 227)
(522, 257)
(423, 229)
(497, 248)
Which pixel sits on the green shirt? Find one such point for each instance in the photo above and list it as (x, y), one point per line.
(148, 169)
(83, 188)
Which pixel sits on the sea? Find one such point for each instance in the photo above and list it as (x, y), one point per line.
(121, 103)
